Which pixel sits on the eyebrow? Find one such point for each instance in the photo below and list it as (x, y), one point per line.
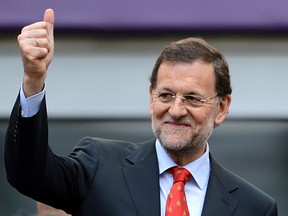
(189, 93)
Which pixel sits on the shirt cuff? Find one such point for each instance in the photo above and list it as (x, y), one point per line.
(31, 105)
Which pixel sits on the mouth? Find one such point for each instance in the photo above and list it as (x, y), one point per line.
(177, 124)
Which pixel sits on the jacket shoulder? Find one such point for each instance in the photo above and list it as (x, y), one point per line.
(248, 197)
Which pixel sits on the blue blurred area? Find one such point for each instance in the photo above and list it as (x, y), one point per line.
(150, 15)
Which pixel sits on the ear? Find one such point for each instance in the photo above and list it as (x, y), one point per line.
(223, 109)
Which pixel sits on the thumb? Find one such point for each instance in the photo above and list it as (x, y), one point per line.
(49, 18)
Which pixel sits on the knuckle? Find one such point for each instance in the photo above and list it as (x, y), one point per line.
(20, 37)
(24, 29)
(27, 50)
(43, 32)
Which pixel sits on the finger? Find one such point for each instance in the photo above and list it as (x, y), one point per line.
(37, 25)
(49, 18)
(39, 53)
(41, 42)
(34, 53)
(40, 33)
(33, 46)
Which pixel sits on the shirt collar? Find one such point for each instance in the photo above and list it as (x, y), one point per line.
(200, 168)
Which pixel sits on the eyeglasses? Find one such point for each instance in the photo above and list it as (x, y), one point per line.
(168, 98)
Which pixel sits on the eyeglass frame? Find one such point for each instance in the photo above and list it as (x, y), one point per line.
(183, 98)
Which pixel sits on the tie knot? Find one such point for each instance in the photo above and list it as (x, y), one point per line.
(180, 174)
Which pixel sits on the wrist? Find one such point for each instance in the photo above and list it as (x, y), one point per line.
(32, 86)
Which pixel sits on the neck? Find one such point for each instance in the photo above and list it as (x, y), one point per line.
(182, 158)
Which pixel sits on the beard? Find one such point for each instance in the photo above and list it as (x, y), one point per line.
(183, 141)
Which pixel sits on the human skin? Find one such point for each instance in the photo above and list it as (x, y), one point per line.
(184, 131)
(45, 210)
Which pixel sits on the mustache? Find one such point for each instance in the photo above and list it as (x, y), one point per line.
(183, 120)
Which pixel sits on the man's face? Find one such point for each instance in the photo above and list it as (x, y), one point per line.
(180, 127)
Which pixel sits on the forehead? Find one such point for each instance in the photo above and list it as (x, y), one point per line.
(187, 77)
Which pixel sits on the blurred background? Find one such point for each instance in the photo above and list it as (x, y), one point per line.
(105, 51)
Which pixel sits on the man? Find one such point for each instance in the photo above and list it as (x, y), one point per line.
(190, 94)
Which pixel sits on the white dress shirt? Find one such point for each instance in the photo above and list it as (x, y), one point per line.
(31, 105)
(195, 187)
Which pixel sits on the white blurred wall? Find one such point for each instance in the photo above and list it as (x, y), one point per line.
(94, 77)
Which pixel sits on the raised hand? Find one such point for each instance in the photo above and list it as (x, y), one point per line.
(36, 42)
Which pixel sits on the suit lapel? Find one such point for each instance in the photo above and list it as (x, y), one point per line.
(218, 201)
(143, 179)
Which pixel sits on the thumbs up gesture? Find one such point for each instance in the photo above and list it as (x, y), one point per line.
(36, 42)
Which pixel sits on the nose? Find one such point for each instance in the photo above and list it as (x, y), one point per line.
(178, 108)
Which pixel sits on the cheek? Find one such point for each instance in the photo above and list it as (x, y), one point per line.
(157, 110)
(198, 115)
(151, 108)
(203, 116)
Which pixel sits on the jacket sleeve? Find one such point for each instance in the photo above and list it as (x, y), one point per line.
(35, 171)
(22, 148)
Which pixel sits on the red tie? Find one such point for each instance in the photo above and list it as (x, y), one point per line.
(176, 201)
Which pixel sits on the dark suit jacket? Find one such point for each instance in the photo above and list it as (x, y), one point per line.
(108, 177)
